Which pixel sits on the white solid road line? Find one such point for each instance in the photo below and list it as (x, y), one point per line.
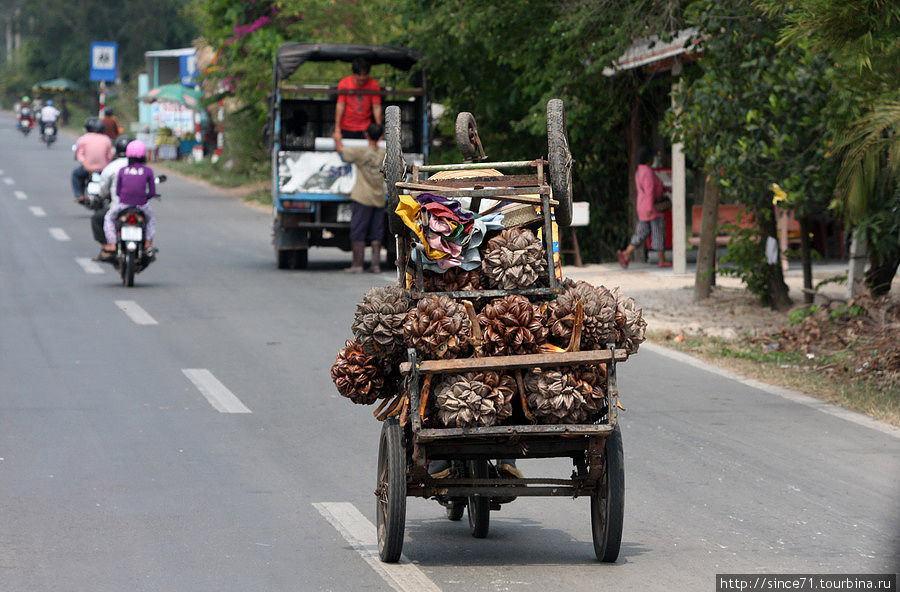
(135, 312)
(20, 194)
(790, 395)
(8, 181)
(360, 533)
(59, 234)
(218, 395)
(88, 266)
(38, 211)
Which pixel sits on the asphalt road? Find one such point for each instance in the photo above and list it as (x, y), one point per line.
(117, 473)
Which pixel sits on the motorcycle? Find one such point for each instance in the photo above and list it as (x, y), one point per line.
(131, 255)
(25, 126)
(92, 199)
(48, 134)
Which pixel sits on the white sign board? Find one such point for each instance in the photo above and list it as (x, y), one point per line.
(314, 172)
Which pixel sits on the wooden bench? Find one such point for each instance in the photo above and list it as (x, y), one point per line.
(729, 214)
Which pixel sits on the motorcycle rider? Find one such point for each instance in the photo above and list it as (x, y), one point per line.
(93, 151)
(49, 115)
(24, 113)
(135, 185)
(108, 177)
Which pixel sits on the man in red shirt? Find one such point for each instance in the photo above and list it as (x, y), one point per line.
(354, 112)
(650, 222)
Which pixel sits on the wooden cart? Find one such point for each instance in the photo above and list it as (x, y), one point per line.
(407, 446)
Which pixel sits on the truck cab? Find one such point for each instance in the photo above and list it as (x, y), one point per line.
(311, 184)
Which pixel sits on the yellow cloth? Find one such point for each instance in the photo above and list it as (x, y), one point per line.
(408, 211)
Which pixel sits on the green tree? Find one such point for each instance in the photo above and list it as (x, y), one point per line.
(863, 38)
(756, 115)
(502, 63)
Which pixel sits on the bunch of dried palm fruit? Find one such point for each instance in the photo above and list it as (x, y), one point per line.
(582, 317)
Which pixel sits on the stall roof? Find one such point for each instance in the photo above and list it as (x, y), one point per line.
(652, 49)
(292, 55)
(170, 53)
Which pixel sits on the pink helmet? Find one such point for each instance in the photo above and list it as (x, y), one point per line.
(135, 149)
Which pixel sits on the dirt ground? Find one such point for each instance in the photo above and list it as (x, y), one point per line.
(731, 312)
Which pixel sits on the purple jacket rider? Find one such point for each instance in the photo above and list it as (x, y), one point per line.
(135, 184)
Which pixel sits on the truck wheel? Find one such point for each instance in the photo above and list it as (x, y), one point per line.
(467, 136)
(394, 165)
(560, 161)
(283, 258)
(299, 258)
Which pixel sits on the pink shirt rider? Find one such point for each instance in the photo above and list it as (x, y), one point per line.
(94, 151)
(649, 189)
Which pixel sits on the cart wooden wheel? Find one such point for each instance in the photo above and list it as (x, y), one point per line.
(455, 510)
(560, 161)
(467, 139)
(479, 506)
(394, 165)
(608, 501)
(391, 491)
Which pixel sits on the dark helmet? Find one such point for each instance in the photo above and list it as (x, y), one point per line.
(121, 144)
(108, 111)
(93, 124)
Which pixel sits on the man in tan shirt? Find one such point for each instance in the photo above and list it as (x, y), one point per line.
(368, 195)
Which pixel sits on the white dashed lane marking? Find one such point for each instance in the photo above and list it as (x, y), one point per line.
(8, 181)
(218, 395)
(59, 234)
(360, 533)
(135, 312)
(38, 211)
(20, 194)
(88, 266)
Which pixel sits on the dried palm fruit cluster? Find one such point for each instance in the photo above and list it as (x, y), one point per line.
(512, 325)
(378, 322)
(564, 395)
(629, 322)
(438, 327)
(474, 399)
(358, 376)
(455, 279)
(514, 259)
(599, 327)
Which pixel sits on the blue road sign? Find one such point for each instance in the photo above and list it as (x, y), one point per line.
(187, 66)
(103, 61)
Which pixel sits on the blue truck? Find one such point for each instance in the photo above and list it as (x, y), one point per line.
(310, 182)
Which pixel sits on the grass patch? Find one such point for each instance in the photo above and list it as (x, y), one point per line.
(215, 174)
(795, 370)
(260, 196)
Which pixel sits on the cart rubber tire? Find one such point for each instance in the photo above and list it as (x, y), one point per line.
(466, 131)
(455, 510)
(390, 510)
(394, 165)
(608, 502)
(479, 507)
(560, 162)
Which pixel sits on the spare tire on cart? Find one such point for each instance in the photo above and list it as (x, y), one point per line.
(394, 165)
(467, 139)
(560, 161)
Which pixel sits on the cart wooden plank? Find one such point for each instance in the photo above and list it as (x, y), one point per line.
(482, 182)
(516, 362)
(435, 434)
(515, 194)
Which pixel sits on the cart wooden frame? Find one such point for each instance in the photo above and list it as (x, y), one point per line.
(407, 446)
